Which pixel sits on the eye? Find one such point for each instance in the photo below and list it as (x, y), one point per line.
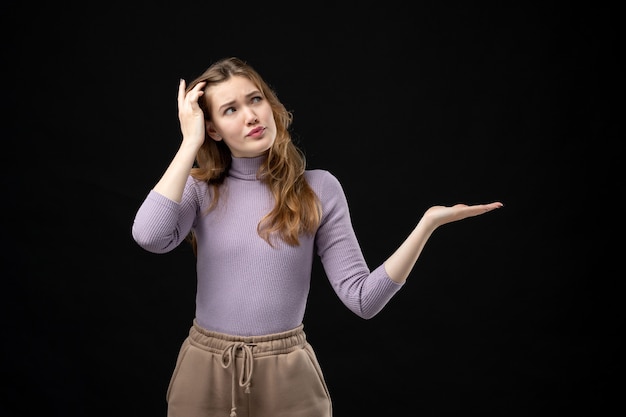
(256, 99)
(229, 110)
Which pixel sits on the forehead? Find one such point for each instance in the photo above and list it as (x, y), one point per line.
(233, 89)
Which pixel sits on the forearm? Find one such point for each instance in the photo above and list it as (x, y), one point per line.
(172, 183)
(402, 261)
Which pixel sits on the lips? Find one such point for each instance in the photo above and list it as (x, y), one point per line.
(256, 131)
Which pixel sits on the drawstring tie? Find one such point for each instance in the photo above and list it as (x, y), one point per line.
(245, 373)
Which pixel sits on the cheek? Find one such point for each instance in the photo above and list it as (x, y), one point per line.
(269, 117)
(226, 126)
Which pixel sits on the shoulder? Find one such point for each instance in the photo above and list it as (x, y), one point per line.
(320, 177)
(196, 190)
(198, 186)
(325, 184)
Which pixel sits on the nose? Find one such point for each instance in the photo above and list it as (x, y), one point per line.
(251, 117)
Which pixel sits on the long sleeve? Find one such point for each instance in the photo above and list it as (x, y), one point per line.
(161, 224)
(244, 285)
(363, 291)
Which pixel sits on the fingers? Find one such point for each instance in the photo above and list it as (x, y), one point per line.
(493, 206)
(461, 211)
(192, 96)
(181, 91)
(440, 215)
(482, 208)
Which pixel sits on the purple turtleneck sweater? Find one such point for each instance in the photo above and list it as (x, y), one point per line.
(244, 286)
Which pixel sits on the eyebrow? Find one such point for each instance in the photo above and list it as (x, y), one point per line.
(230, 103)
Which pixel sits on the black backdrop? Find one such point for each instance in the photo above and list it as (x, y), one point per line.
(510, 314)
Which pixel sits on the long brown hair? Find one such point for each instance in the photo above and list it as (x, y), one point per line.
(297, 209)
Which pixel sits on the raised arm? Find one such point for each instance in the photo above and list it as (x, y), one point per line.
(192, 126)
(401, 262)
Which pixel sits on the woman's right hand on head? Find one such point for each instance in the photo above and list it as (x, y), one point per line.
(190, 115)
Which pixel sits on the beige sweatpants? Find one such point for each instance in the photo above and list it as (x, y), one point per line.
(219, 375)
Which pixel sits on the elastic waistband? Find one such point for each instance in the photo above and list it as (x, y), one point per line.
(263, 345)
(241, 351)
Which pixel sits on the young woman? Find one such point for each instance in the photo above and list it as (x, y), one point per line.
(239, 189)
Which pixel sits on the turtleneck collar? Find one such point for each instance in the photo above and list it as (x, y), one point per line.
(245, 168)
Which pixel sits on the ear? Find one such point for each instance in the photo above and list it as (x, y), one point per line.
(210, 129)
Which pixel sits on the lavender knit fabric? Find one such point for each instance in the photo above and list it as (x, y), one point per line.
(244, 286)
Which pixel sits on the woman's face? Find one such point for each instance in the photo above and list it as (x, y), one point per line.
(241, 117)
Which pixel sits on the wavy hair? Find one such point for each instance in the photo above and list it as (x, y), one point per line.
(297, 209)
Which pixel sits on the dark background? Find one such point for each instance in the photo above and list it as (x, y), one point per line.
(514, 313)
